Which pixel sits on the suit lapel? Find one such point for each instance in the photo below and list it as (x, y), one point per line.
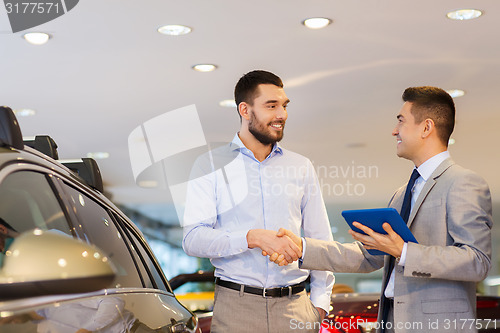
(428, 186)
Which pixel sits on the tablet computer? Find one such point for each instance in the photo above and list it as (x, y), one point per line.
(374, 218)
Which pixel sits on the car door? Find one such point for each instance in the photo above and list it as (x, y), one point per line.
(139, 281)
(33, 197)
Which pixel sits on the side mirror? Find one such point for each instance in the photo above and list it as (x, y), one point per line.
(49, 262)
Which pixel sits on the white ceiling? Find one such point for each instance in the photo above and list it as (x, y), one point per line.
(106, 70)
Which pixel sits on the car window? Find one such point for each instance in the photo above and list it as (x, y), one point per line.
(27, 201)
(148, 269)
(100, 229)
(110, 313)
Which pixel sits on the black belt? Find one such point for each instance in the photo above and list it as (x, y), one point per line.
(264, 292)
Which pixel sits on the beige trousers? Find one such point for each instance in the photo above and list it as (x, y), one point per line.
(242, 312)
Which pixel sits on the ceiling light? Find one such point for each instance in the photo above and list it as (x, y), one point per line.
(174, 30)
(24, 112)
(204, 67)
(228, 103)
(316, 22)
(148, 183)
(36, 38)
(98, 155)
(464, 14)
(455, 93)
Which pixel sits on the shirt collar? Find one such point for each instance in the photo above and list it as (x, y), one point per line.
(428, 167)
(237, 144)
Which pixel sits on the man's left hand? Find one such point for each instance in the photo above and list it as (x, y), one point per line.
(391, 243)
(322, 313)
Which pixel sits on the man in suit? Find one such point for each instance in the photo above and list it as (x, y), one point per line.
(429, 286)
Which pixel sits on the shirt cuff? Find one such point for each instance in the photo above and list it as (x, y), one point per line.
(321, 301)
(402, 260)
(238, 241)
(303, 251)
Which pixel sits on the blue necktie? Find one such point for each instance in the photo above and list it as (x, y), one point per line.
(406, 208)
(405, 214)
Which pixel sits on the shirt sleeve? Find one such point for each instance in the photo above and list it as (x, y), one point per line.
(315, 224)
(201, 238)
(402, 260)
(108, 311)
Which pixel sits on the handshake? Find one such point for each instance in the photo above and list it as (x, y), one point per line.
(283, 247)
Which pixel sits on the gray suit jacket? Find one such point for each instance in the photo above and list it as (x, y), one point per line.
(451, 221)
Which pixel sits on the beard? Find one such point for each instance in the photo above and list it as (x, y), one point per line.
(262, 132)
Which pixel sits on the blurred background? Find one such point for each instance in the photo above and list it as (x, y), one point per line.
(109, 66)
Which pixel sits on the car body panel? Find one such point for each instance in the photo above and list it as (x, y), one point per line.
(110, 311)
(39, 193)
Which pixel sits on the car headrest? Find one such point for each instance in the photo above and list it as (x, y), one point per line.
(88, 170)
(44, 144)
(10, 133)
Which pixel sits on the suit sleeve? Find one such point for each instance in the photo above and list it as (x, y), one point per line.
(315, 224)
(337, 257)
(467, 256)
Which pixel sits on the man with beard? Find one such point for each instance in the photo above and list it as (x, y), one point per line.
(240, 195)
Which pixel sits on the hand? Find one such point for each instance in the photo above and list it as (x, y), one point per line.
(322, 313)
(269, 242)
(391, 243)
(280, 259)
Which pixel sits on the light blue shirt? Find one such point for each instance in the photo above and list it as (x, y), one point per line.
(231, 192)
(425, 170)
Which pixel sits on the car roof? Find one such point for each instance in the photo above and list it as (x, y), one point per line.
(28, 155)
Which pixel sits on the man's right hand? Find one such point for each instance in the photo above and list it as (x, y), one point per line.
(280, 259)
(271, 242)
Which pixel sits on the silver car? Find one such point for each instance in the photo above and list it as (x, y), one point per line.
(70, 260)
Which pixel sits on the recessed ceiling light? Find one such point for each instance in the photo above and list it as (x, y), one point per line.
(464, 14)
(98, 155)
(204, 67)
(174, 30)
(451, 141)
(148, 183)
(455, 93)
(316, 22)
(36, 38)
(228, 103)
(24, 112)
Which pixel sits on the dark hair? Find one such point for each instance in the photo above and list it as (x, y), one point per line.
(246, 88)
(432, 103)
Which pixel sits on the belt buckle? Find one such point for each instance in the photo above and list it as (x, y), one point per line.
(289, 291)
(264, 292)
